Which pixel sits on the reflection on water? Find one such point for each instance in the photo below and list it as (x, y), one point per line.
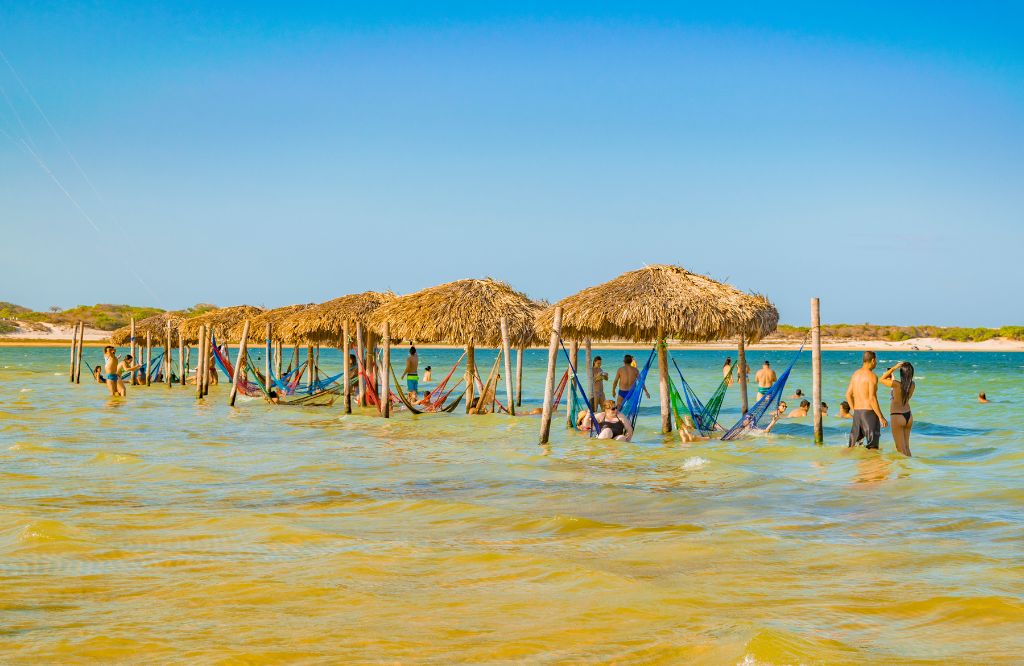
(159, 529)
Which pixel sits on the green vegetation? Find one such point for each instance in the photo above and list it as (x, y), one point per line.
(103, 316)
(897, 333)
(11, 311)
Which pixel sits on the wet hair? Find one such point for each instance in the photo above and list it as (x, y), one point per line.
(824, 405)
(728, 361)
(766, 363)
(427, 368)
(108, 348)
(412, 350)
(805, 403)
(844, 405)
(906, 379)
(983, 396)
(627, 359)
(868, 356)
(596, 359)
(351, 357)
(129, 357)
(799, 392)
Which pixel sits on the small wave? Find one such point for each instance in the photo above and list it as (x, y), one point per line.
(25, 391)
(695, 462)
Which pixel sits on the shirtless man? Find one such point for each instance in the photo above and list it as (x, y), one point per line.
(765, 378)
(801, 411)
(110, 375)
(862, 394)
(411, 374)
(125, 366)
(624, 380)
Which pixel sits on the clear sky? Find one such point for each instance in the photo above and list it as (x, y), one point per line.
(868, 153)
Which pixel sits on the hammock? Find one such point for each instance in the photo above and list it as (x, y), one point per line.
(703, 416)
(556, 399)
(142, 367)
(576, 403)
(245, 387)
(488, 391)
(766, 405)
(631, 403)
(433, 401)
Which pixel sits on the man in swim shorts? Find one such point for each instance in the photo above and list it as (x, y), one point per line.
(624, 380)
(411, 374)
(862, 394)
(765, 378)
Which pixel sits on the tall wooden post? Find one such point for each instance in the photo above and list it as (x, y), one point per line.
(506, 349)
(361, 357)
(589, 358)
(519, 374)
(549, 378)
(167, 354)
(346, 369)
(131, 350)
(71, 359)
(574, 357)
(470, 378)
(239, 362)
(741, 366)
(819, 432)
(279, 357)
(666, 407)
(149, 358)
(385, 375)
(181, 357)
(200, 361)
(269, 332)
(78, 356)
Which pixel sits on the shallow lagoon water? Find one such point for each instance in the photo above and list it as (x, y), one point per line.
(165, 529)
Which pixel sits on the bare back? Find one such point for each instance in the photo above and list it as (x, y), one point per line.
(863, 389)
(626, 377)
(765, 377)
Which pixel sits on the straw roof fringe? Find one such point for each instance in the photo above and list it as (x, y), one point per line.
(224, 319)
(276, 318)
(460, 312)
(324, 323)
(155, 325)
(640, 305)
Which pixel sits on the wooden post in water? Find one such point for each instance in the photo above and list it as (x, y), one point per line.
(278, 360)
(741, 375)
(385, 375)
(131, 350)
(549, 378)
(574, 358)
(666, 407)
(239, 362)
(310, 366)
(71, 361)
(361, 358)
(269, 332)
(346, 369)
(519, 374)
(506, 349)
(470, 378)
(78, 357)
(589, 359)
(201, 346)
(181, 357)
(819, 433)
(167, 354)
(149, 358)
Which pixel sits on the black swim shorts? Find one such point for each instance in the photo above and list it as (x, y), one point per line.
(865, 426)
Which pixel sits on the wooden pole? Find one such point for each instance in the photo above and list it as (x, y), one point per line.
(574, 358)
(345, 368)
(78, 358)
(519, 375)
(199, 361)
(181, 358)
(149, 357)
(385, 375)
(131, 348)
(549, 378)
(310, 365)
(819, 432)
(167, 354)
(470, 378)
(279, 355)
(361, 356)
(589, 357)
(239, 362)
(507, 351)
(71, 360)
(269, 332)
(666, 408)
(741, 366)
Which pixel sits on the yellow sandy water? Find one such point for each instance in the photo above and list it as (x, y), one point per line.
(160, 529)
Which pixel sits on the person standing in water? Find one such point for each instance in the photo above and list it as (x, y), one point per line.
(599, 378)
(624, 380)
(899, 407)
(411, 374)
(110, 374)
(765, 379)
(727, 371)
(862, 394)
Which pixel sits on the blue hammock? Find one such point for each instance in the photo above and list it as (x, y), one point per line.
(573, 404)
(767, 404)
(705, 416)
(631, 402)
(150, 371)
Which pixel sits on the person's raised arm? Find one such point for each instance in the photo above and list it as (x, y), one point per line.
(886, 377)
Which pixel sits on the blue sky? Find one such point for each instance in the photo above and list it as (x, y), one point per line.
(868, 154)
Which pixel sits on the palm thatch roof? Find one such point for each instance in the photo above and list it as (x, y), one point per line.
(460, 312)
(325, 323)
(221, 318)
(662, 300)
(275, 317)
(156, 326)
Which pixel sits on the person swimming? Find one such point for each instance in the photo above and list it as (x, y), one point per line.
(800, 411)
(844, 410)
(824, 408)
(426, 375)
(982, 398)
(798, 395)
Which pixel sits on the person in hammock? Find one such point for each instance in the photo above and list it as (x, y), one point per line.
(612, 424)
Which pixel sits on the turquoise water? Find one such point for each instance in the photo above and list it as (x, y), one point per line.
(164, 529)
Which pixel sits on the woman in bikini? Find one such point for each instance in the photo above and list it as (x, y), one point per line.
(900, 419)
(613, 425)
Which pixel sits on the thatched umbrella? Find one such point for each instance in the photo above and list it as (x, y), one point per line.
(222, 319)
(156, 326)
(325, 323)
(661, 302)
(275, 317)
(464, 312)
